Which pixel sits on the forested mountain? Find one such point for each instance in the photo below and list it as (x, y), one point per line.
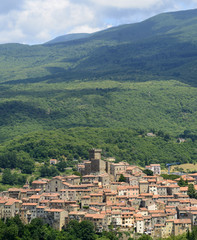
(68, 37)
(137, 76)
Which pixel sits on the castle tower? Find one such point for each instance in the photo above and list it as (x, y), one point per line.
(95, 154)
(97, 165)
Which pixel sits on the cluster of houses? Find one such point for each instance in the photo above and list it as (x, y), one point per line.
(140, 204)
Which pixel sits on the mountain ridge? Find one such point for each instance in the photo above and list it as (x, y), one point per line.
(180, 15)
(144, 78)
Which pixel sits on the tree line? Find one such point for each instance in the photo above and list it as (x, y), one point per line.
(14, 229)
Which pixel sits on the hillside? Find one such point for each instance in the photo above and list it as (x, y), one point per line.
(168, 106)
(161, 47)
(137, 76)
(124, 144)
(68, 37)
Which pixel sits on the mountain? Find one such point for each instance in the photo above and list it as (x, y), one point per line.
(68, 37)
(138, 76)
(163, 46)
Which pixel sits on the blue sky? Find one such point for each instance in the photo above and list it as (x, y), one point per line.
(38, 21)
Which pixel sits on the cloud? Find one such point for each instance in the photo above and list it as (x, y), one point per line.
(37, 21)
(123, 4)
(85, 29)
(9, 5)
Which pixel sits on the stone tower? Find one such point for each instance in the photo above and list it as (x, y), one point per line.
(97, 165)
(95, 154)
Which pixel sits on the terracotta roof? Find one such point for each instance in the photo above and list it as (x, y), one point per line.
(183, 189)
(89, 176)
(158, 215)
(14, 189)
(177, 221)
(57, 201)
(96, 194)
(72, 176)
(139, 219)
(159, 225)
(77, 213)
(156, 211)
(10, 202)
(35, 197)
(95, 216)
(173, 186)
(54, 210)
(85, 197)
(94, 209)
(39, 182)
(29, 204)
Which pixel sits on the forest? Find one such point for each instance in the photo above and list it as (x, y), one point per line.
(106, 90)
(14, 229)
(74, 144)
(27, 157)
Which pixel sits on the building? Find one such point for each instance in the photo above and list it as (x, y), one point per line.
(53, 161)
(156, 168)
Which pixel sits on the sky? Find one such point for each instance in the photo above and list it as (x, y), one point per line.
(38, 21)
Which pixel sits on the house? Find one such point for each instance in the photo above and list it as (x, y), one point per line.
(73, 179)
(55, 217)
(55, 184)
(181, 226)
(143, 185)
(116, 168)
(193, 217)
(162, 190)
(53, 161)
(155, 168)
(99, 221)
(172, 189)
(11, 208)
(133, 170)
(127, 219)
(139, 223)
(89, 179)
(39, 184)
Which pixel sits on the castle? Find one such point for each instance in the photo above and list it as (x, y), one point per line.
(95, 165)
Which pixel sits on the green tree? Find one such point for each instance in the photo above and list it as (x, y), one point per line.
(7, 177)
(182, 183)
(160, 133)
(167, 137)
(28, 166)
(191, 191)
(145, 237)
(148, 172)
(111, 235)
(86, 231)
(122, 178)
(21, 179)
(61, 166)
(8, 160)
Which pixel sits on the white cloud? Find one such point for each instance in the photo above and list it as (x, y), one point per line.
(36, 21)
(128, 3)
(84, 29)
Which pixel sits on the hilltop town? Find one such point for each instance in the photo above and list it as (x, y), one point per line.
(140, 204)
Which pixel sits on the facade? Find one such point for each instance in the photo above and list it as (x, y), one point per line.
(142, 204)
(156, 168)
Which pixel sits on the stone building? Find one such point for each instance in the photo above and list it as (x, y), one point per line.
(156, 168)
